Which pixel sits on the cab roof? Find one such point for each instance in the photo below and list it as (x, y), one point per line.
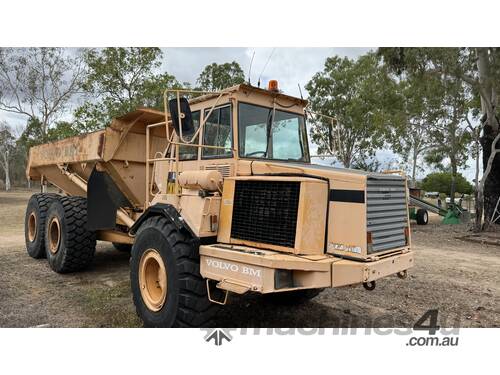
(244, 87)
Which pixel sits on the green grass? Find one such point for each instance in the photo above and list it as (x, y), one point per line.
(111, 306)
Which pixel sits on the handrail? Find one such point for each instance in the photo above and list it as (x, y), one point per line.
(179, 139)
(202, 123)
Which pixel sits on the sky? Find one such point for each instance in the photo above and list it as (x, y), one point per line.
(290, 66)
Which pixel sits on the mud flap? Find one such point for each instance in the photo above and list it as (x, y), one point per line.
(103, 199)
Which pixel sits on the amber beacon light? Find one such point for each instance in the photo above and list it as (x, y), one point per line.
(273, 85)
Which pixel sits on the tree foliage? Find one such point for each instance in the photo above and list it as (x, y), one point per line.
(409, 133)
(120, 80)
(441, 182)
(449, 137)
(479, 69)
(32, 134)
(39, 82)
(363, 99)
(215, 77)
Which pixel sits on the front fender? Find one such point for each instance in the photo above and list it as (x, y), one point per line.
(166, 210)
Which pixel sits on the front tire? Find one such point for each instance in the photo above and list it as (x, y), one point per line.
(69, 245)
(34, 223)
(167, 288)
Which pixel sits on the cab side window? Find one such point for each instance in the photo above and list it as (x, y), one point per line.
(191, 152)
(218, 132)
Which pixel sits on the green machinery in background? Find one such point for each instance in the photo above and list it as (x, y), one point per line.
(419, 210)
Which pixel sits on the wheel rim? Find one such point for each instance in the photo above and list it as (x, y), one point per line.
(426, 217)
(54, 235)
(153, 279)
(32, 227)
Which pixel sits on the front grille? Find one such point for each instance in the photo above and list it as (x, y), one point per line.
(266, 212)
(386, 213)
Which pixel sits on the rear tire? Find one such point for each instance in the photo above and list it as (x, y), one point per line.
(122, 247)
(69, 245)
(422, 217)
(294, 297)
(176, 292)
(34, 223)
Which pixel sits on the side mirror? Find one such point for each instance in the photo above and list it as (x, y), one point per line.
(185, 116)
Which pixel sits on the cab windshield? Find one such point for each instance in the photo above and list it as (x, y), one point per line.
(267, 134)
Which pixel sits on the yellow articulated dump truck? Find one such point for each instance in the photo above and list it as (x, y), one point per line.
(216, 195)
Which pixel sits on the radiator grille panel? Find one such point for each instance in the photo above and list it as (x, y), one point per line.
(386, 213)
(266, 211)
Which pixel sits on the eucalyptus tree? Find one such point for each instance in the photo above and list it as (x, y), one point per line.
(479, 68)
(216, 77)
(410, 131)
(120, 80)
(450, 138)
(39, 83)
(363, 99)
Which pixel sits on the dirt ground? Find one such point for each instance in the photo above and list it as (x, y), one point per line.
(460, 279)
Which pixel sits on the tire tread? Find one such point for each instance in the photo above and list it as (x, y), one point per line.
(194, 309)
(79, 246)
(44, 201)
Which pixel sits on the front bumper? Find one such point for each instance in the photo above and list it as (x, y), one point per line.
(240, 269)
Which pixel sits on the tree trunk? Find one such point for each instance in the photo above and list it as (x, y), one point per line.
(44, 130)
(453, 187)
(5, 166)
(414, 168)
(453, 180)
(453, 161)
(346, 160)
(478, 209)
(489, 189)
(7, 178)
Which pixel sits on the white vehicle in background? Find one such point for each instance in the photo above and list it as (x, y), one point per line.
(432, 194)
(458, 201)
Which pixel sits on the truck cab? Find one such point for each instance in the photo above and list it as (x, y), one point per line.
(271, 203)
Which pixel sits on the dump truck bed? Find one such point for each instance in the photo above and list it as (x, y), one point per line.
(119, 150)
